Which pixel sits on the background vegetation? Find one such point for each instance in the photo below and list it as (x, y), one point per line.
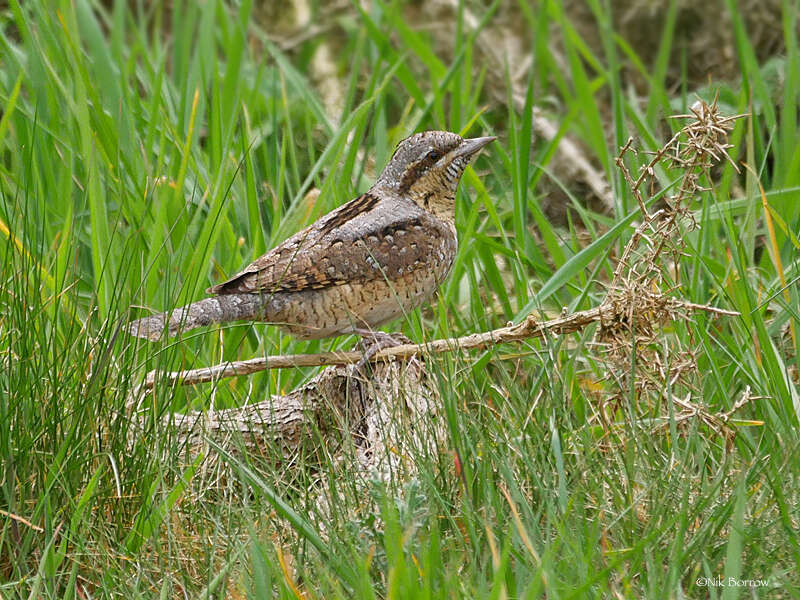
(148, 150)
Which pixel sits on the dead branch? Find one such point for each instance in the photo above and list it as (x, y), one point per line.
(527, 329)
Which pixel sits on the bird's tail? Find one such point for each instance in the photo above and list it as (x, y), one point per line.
(219, 309)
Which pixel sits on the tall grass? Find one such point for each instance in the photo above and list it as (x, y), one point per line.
(146, 152)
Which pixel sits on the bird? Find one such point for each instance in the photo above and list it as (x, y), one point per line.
(364, 264)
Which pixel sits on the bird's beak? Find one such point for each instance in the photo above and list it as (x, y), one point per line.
(470, 147)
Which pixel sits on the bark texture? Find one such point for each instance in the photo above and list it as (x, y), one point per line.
(380, 417)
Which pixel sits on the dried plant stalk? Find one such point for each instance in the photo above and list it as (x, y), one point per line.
(648, 271)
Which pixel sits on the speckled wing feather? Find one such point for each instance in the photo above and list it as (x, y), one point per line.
(362, 240)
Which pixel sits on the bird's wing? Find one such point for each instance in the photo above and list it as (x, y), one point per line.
(362, 240)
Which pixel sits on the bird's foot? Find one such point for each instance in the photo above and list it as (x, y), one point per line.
(373, 342)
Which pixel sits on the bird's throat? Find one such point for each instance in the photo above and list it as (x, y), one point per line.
(437, 196)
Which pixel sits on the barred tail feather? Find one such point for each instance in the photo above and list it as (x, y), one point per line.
(220, 309)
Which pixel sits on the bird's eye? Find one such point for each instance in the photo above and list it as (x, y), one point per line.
(433, 155)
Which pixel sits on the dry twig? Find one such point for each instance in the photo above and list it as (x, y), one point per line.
(529, 328)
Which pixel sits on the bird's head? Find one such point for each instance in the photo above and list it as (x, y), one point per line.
(427, 167)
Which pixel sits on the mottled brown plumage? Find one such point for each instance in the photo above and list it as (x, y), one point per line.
(366, 263)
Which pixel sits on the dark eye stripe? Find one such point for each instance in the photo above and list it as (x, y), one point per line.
(420, 166)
